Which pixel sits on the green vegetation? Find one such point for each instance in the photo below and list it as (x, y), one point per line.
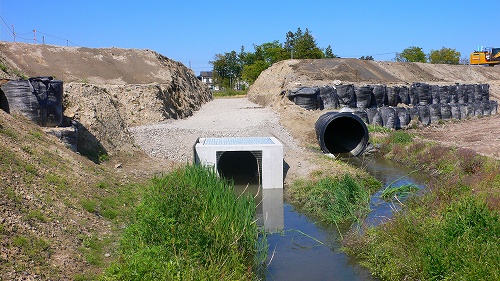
(411, 54)
(190, 226)
(450, 232)
(398, 191)
(416, 54)
(229, 93)
(445, 56)
(333, 200)
(232, 68)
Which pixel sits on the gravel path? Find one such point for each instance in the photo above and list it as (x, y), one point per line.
(229, 117)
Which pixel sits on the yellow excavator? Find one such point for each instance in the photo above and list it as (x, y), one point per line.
(485, 56)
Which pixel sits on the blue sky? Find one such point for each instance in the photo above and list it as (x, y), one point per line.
(192, 32)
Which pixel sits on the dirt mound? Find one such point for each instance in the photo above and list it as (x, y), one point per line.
(108, 90)
(290, 74)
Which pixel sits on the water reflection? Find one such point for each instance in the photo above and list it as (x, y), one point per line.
(269, 207)
(300, 249)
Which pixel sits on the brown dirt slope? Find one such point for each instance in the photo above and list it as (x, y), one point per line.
(108, 90)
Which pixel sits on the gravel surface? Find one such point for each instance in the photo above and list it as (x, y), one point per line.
(228, 117)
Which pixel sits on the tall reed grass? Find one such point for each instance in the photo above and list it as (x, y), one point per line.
(190, 226)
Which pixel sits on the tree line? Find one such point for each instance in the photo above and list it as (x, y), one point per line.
(236, 70)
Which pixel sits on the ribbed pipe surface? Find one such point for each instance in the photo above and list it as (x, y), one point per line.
(341, 132)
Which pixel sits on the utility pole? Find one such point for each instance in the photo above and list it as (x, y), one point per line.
(34, 35)
(13, 33)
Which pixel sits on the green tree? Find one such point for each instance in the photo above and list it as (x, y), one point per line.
(366, 58)
(270, 52)
(411, 54)
(305, 47)
(444, 56)
(227, 69)
(328, 53)
(252, 71)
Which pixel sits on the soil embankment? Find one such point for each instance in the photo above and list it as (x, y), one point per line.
(476, 133)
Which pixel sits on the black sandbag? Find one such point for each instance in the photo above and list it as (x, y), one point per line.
(469, 91)
(445, 111)
(435, 94)
(455, 111)
(404, 95)
(425, 114)
(452, 93)
(478, 109)
(363, 96)
(462, 94)
(49, 94)
(388, 117)
(413, 95)
(403, 117)
(380, 95)
(374, 116)
(494, 107)
(423, 92)
(393, 98)
(478, 92)
(362, 115)
(309, 102)
(305, 97)
(346, 95)
(328, 98)
(444, 94)
(435, 112)
(20, 100)
(414, 113)
(466, 110)
(485, 91)
(486, 108)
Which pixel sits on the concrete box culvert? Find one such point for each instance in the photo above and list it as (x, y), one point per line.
(341, 133)
(258, 159)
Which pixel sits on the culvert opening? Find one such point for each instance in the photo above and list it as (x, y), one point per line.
(341, 133)
(243, 167)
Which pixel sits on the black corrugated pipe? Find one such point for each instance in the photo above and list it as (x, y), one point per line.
(341, 132)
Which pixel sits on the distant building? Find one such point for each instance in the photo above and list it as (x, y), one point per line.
(207, 77)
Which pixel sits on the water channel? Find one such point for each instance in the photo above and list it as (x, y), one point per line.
(301, 249)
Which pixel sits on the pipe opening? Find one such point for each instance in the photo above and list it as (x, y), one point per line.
(243, 167)
(340, 133)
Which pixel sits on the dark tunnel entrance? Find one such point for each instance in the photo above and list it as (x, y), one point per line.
(243, 167)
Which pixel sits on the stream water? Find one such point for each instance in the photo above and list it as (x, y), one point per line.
(301, 249)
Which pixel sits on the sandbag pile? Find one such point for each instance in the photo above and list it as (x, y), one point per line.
(396, 106)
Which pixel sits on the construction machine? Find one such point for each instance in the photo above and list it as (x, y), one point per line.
(485, 56)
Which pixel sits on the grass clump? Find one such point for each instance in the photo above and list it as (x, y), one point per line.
(190, 226)
(332, 200)
(451, 232)
(462, 242)
(398, 191)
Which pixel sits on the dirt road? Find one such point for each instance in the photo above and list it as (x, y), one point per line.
(229, 117)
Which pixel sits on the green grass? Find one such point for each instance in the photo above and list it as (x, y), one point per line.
(450, 232)
(190, 226)
(332, 200)
(399, 191)
(229, 93)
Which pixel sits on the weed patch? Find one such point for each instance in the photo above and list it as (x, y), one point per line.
(190, 226)
(332, 200)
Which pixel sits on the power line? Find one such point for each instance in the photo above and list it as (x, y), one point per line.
(17, 35)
